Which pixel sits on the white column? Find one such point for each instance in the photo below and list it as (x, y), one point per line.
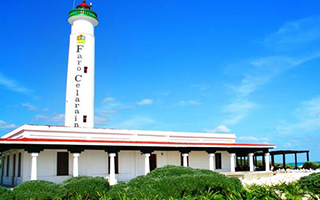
(251, 162)
(211, 161)
(34, 166)
(232, 162)
(112, 175)
(185, 159)
(267, 157)
(76, 164)
(146, 163)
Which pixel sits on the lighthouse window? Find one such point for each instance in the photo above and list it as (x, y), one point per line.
(84, 118)
(85, 69)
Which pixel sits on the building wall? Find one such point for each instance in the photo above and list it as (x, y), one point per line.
(95, 163)
(9, 180)
(46, 166)
(225, 157)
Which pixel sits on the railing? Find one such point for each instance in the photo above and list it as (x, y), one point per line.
(83, 11)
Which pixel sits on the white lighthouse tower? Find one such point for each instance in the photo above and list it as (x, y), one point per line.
(80, 81)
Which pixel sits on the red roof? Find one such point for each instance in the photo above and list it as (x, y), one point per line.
(83, 5)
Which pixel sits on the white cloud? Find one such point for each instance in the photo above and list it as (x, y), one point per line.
(295, 34)
(219, 129)
(137, 122)
(113, 107)
(166, 93)
(288, 145)
(261, 72)
(108, 99)
(125, 107)
(100, 120)
(188, 103)
(58, 118)
(28, 106)
(255, 73)
(13, 85)
(254, 139)
(107, 111)
(308, 117)
(145, 102)
(201, 87)
(6, 125)
(236, 111)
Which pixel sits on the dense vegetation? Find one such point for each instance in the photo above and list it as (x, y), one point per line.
(311, 165)
(176, 182)
(85, 187)
(38, 190)
(169, 183)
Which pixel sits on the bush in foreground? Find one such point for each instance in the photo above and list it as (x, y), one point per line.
(5, 193)
(84, 187)
(310, 165)
(176, 182)
(311, 183)
(38, 190)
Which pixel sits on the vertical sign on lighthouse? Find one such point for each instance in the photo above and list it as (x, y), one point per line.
(80, 81)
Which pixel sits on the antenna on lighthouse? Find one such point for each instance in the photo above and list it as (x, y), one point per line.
(74, 3)
(90, 5)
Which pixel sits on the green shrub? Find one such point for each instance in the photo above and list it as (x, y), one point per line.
(5, 193)
(311, 183)
(176, 182)
(290, 167)
(290, 190)
(310, 165)
(84, 187)
(38, 190)
(263, 192)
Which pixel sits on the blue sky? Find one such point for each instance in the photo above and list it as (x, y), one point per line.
(246, 67)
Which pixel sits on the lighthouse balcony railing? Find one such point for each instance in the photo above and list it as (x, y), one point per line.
(80, 11)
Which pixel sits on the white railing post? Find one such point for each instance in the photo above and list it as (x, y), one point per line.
(76, 164)
(267, 158)
(34, 166)
(212, 161)
(185, 159)
(232, 162)
(251, 162)
(112, 176)
(146, 163)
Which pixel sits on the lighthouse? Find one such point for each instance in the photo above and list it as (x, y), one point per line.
(79, 110)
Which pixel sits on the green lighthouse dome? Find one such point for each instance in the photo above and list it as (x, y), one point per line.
(83, 9)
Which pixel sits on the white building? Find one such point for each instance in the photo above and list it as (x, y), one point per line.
(55, 153)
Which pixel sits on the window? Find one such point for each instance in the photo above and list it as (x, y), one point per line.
(19, 165)
(181, 159)
(153, 161)
(218, 161)
(116, 162)
(2, 166)
(84, 118)
(14, 165)
(85, 69)
(8, 165)
(62, 163)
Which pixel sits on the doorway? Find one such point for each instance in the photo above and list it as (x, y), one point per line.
(153, 161)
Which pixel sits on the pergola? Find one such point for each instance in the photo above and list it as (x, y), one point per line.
(284, 153)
